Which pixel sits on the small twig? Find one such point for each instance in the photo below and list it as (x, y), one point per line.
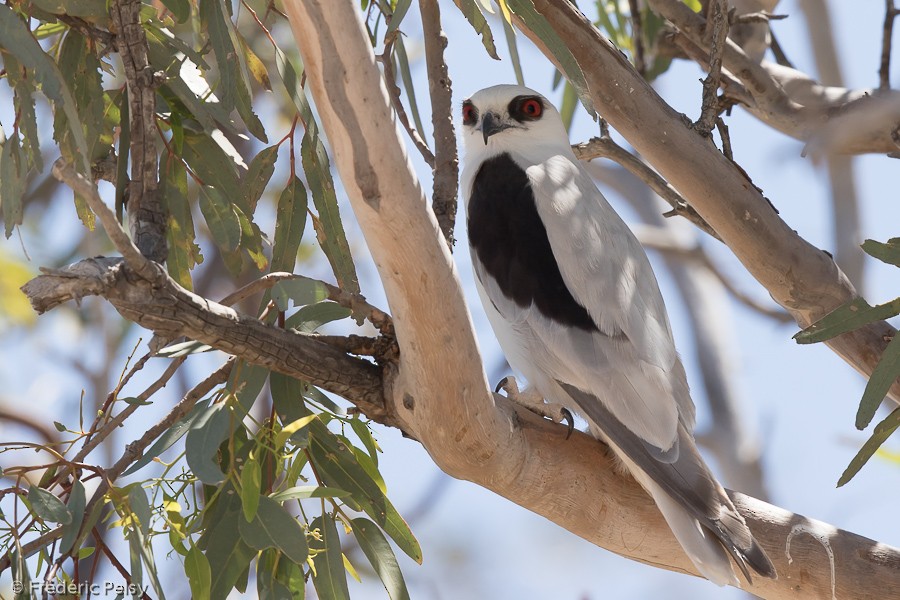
(390, 80)
(884, 73)
(726, 138)
(710, 105)
(605, 147)
(637, 37)
(254, 287)
(446, 158)
(762, 16)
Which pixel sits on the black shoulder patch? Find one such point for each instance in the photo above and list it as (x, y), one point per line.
(508, 237)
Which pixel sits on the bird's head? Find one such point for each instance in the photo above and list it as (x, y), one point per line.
(508, 117)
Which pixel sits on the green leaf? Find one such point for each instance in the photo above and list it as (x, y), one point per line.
(12, 183)
(510, 34)
(228, 555)
(377, 549)
(278, 579)
(18, 41)
(534, 21)
(246, 382)
(184, 252)
(291, 428)
(299, 290)
(880, 381)
(172, 435)
(847, 317)
(223, 221)
(569, 104)
(290, 221)
(75, 506)
(472, 13)
(329, 228)
(309, 318)
(94, 10)
(304, 492)
(251, 239)
(214, 166)
(199, 574)
(885, 252)
(47, 506)
(274, 527)
(406, 76)
(203, 440)
(364, 434)
(81, 68)
(23, 103)
(400, 10)
(882, 432)
(258, 175)
(329, 577)
(181, 10)
(251, 478)
(213, 20)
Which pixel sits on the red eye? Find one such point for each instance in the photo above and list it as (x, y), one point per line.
(469, 113)
(532, 108)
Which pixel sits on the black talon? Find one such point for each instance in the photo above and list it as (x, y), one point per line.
(500, 385)
(570, 420)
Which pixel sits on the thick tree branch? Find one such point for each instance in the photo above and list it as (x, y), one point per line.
(835, 120)
(148, 219)
(162, 306)
(442, 395)
(800, 277)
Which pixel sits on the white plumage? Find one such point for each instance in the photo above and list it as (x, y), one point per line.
(577, 310)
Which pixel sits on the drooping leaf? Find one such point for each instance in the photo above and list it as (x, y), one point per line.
(180, 9)
(213, 19)
(329, 227)
(214, 166)
(199, 573)
(406, 77)
(882, 432)
(880, 381)
(847, 317)
(513, 46)
(377, 549)
(75, 506)
(246, 382)
(207, 432)
(221, 218)
(400, 10)
(290, 222)
(888, 252)
(274, 527)
(251, 480)
(329, 577)
(184, 252)
(364, 434)
(258, 174)
(16, 39)
(12, 183)
(22, 83)
(47, 506)
(228, 554)
(472, 13)
(251, 239)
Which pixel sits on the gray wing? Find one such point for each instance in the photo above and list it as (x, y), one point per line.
(630, 364)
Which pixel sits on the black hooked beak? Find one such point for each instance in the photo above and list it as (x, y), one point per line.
(490, 125)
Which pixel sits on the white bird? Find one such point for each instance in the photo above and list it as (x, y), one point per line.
(577, 310)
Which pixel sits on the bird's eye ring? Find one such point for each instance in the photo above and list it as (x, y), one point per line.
(532, 107)
(469, 113)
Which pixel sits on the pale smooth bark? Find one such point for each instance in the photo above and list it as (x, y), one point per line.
(440, 391)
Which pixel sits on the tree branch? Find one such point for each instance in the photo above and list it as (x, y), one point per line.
(446, 160)
(884, 71)
(443, 397)
(148, 219)
(799, 277)
(831, 119)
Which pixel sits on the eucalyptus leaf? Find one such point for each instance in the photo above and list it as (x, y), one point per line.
(329, 577)
(847, 317)
(882, 432)
(377, 549)
(47, 506)
(203, 440)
